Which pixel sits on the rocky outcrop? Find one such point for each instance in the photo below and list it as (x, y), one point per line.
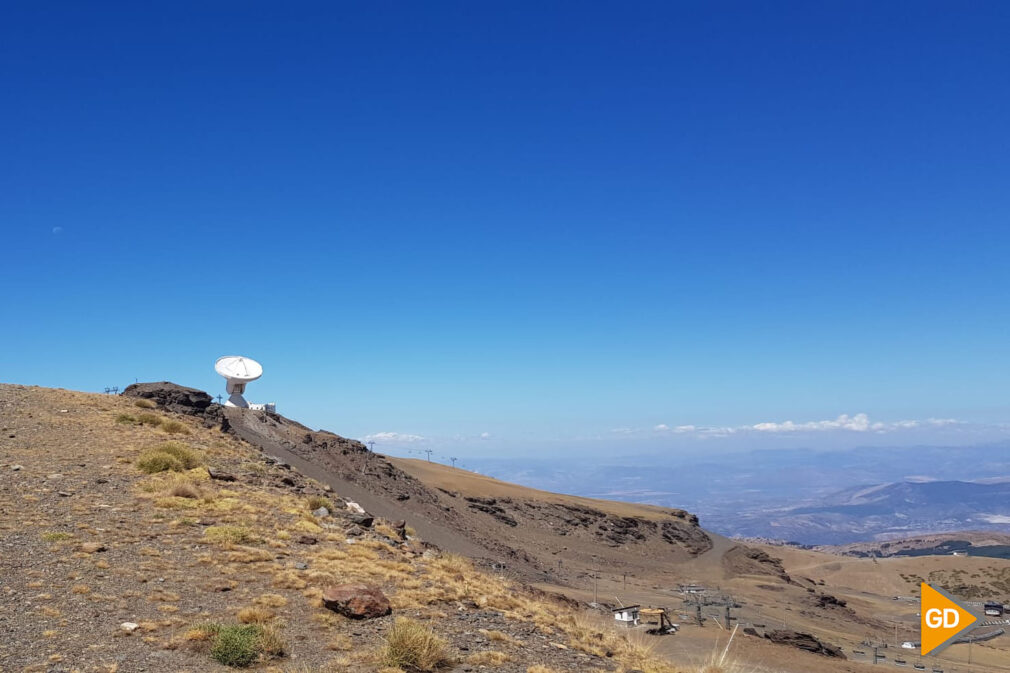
(744, 560)
(804, 641)
(357, 601)
(172, 397)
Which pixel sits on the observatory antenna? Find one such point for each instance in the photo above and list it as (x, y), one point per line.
(237, 371)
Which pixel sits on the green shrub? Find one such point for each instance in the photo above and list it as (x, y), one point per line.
(126, 419)
(185, 455)
(144, 404)
(237, 645)
(413, 646)
(158, 461)
(56, 536)
(240, 645)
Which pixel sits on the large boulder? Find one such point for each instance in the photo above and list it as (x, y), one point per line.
(172, 397)
(357, 601)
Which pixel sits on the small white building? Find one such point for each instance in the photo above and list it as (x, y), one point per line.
(627, 616)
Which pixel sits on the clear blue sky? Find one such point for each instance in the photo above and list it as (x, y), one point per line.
(541, 221)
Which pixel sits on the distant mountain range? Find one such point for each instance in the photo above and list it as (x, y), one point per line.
(881, 512)
(799, 495)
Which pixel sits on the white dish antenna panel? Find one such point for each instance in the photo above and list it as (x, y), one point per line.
(237, 371)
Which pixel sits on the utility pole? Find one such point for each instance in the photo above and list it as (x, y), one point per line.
(625, 582)
(219, 398)
(371, 447)
(453, 459)
(428, 451)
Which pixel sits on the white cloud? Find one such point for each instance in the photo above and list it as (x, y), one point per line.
(485, 435)
(394, 437)
(845, 422)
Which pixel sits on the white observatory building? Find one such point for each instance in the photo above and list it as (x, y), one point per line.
(237, 372)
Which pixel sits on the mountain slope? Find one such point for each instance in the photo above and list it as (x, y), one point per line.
(109, 564)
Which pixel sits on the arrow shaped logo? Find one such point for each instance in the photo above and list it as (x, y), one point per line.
(942, 619)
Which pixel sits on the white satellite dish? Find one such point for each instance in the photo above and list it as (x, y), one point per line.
(238, 371)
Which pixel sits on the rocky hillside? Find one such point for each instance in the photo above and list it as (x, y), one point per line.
(499, 525)
(145, 533)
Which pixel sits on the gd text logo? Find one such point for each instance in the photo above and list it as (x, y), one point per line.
(942, 619)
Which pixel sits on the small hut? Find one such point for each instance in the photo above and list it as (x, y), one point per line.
(627, 616)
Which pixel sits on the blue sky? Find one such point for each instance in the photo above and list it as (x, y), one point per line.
(547, 224)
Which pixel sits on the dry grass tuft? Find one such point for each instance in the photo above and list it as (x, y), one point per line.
(228, 535)
(153, 462)
(143, 403)
(253, 615)
(185, 490)
(185, 455)
(174, 427)
(168, 457)
(413, 646)
(317, 501)
(488, 658)
(271, 600)
(149, 419)
(499, 637)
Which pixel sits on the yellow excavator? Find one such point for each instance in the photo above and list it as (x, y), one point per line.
(661, 618)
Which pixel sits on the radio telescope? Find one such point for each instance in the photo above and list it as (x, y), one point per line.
(237, 371)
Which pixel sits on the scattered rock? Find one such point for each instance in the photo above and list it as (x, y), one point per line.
(301, 565)
(129, 627)
(92, 547)
(401, 529)
(64, 494)
(321, 512)
(54, 476)
(363, 520)
(354, 531)
(220, 476)
(357, 601)
(307, 539)
(17, 468)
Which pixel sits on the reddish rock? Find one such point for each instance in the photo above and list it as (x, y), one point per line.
(357, 601)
